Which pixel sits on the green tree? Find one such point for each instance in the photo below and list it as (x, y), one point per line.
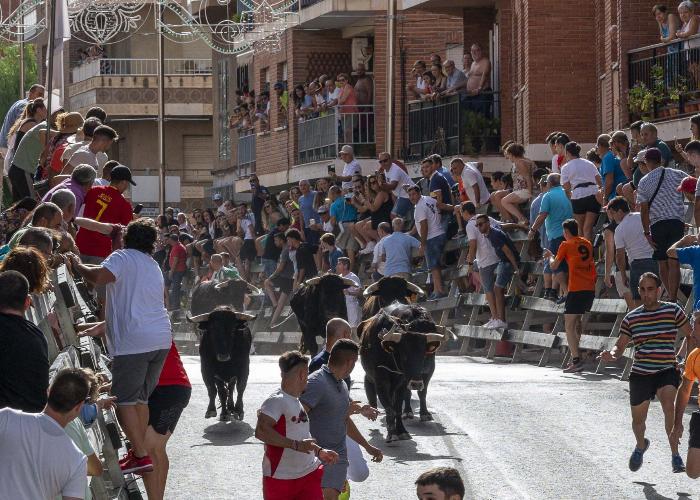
(9, 73)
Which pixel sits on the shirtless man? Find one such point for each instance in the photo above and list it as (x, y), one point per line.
(478, 80)
(364, 88)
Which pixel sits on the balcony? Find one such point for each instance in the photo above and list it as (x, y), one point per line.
(129, 87)
(449, 128)
(664, 80)
(246, 155)
(321, 137)
(337, 14)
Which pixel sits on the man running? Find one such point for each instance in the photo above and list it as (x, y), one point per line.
(291, 469)
(653, 328)
(690, 376)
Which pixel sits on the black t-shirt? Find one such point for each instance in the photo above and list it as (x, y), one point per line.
(271, 251)
(24, 364)
(305, 260)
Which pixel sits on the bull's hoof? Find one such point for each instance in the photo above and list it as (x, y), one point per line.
(408, 414)
(405, 436)
(390, 438)
(426, 417)
(225, 417)
(210, 414)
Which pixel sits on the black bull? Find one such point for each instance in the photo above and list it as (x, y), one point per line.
(208, 295)
(397, 353)
(317, 301)
(224, 354)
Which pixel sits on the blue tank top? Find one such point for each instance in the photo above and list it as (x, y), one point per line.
(664, 33)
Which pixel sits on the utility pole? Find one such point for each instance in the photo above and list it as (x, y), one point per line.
(390, 42)
(161, 109)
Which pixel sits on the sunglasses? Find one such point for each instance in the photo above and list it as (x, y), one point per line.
(384, 161)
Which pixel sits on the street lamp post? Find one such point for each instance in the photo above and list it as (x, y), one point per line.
(161, 109)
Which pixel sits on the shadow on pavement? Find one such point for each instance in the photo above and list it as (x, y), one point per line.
(417, 428)
(403, 451)
(650, 492)
(227, 434)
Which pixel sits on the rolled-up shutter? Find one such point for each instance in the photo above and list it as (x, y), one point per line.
(199, 158)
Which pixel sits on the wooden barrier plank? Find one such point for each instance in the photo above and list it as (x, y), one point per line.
(540, 339)
(478, 332)
(449, 302)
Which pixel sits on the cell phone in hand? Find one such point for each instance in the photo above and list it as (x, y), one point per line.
(138, 208)
(331, 169)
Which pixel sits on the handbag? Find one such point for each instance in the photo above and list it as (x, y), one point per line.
(658, 186)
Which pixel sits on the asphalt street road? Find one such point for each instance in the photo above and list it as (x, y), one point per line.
(513, 431)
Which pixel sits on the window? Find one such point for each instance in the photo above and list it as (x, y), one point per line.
(224, 118)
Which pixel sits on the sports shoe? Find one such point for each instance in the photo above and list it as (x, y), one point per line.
(489, 323)
(561, 299)
(499, 323)
(574, 367)
(637, 457)
(369, 248)
(137, 464)
(437, 296)
(677, 464)
(127, 457)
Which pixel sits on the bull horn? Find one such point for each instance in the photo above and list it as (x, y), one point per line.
(412, 287)
(349, 282)
(371, 289)
(200, 318)
(435, 337)
(245, 316)
(390, 336)
(222, 285)
(312, 281)
(254, 289)
(447, 332)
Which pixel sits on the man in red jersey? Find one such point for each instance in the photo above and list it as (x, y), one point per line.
(291, 466)
(105, 204)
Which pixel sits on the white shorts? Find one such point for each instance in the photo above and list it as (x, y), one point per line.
(358, 470)
(523, 194)
(622, 290)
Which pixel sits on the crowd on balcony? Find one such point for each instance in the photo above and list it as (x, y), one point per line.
(441, 80)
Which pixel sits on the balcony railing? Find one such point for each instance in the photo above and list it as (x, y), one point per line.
(140, 67)
(452, 127)
(246, 155)
(321, 137)
(664, 80)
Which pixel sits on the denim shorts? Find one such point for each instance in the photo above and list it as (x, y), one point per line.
(402, 206)
(269, 266)
(498, 274)
(554, 248)
(434, 250)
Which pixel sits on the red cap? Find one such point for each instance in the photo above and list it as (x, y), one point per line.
(687, 185)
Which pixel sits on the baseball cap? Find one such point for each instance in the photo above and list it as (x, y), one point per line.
(322, 209)
(687, 185)
(218, 197)
(653, 154)
(122, 173)
(278, 85)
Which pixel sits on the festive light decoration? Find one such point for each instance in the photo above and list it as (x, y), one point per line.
(215, 22)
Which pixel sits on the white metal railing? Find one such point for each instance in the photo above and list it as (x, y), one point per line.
(320, 137)
(246, 155)
(140, 67)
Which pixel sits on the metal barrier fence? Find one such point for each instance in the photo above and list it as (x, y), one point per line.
(56, 313)
(140, 67)
(664, 80)
(450, 126)
(320, 137)
(246, 155)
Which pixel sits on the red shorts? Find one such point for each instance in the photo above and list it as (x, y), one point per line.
(307, 487)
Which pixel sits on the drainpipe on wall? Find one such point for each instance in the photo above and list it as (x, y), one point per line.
(390, 38)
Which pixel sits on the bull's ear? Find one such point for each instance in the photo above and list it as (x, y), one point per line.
(388, 346)
(431, 347)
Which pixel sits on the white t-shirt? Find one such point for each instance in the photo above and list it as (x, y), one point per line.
(293, 423)
(71, 149)
(246, 225)
(377, 256)
(579, 171)
(83, 155)
(396, 173)
(38, 461)
(555, 164)
(426, 210)
(629, 234)
(470, 177)
(137, 321)
(420, 83)
(101, 182)
(485, 253)
(352, 303)
(350, 169)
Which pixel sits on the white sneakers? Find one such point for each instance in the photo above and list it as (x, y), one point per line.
(495, 324)
(369, 248)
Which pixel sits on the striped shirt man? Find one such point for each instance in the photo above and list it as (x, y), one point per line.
(668, 203)
(653, 333)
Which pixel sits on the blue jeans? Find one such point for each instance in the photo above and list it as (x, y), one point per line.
(175, 288)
